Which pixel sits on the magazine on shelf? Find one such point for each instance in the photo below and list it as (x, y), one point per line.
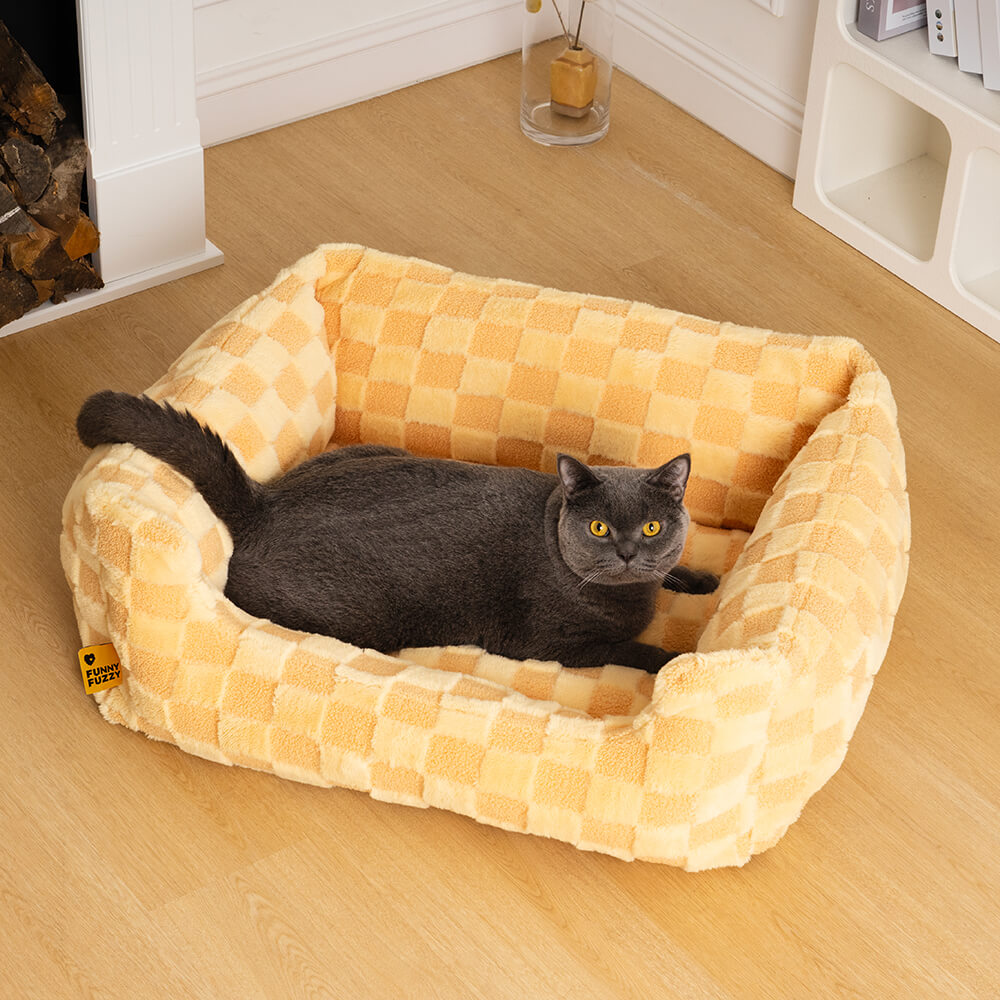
(989, 35)
(970, 53)
(884, 18)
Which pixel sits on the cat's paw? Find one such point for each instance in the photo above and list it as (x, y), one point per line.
(654, 664)
(649, 658)
(690, 581)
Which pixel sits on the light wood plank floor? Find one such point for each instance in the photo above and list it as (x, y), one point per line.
(131, 870)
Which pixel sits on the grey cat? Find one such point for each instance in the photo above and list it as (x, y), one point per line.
(385, 550)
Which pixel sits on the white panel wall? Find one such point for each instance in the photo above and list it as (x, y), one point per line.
(739, 65)
(772, 48)
(261, 63)
(230, 32)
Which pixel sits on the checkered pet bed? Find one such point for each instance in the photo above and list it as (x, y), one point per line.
(797, 499)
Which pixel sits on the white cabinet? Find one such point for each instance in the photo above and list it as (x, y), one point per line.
(900, 157)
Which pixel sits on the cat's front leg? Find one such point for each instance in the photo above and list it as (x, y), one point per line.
(640, 655)
(626, 654)
(690, 581)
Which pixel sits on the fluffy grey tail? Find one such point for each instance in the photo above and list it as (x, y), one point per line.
(178, 439)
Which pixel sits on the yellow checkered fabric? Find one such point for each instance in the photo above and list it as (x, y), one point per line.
(797, 497)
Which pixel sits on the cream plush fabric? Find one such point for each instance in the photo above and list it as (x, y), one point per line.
(797, 497)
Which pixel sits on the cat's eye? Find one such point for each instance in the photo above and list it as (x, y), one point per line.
(651, 528)
(598, 528)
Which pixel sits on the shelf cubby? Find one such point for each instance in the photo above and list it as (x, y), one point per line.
(885, 167)
(977, 249)
(900, 157)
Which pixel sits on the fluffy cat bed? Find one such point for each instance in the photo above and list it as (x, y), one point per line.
(797, 499)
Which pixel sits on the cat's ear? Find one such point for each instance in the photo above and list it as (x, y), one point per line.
(575, 476)
(672, 477)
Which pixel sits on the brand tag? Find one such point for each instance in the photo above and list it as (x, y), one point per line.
(100, 667)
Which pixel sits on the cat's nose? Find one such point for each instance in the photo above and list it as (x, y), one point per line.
(626, 550)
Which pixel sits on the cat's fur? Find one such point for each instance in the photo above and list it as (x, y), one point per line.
(385, 550)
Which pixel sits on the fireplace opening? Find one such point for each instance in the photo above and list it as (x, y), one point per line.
(46, 234)
(48, 33)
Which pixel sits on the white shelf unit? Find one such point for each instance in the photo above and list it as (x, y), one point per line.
(900, 158)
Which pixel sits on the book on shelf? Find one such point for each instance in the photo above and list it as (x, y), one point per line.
(884, 18)
(989, 38)
(970, 53)
(941, 37)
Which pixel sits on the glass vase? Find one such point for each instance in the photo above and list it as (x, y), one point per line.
(566, 65)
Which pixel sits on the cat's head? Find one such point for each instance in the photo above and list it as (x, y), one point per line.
(620, 525)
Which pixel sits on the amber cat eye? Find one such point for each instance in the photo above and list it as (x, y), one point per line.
(598, 528)
(651, 528)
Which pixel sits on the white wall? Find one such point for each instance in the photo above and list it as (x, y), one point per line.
(230, 32)
(774, 46)
(262, 63)
(732, 63)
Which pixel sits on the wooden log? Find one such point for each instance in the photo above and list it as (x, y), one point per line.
(40, 258)
(79, 237)
(13, 218)
(76, 276)
(58, 208)
(67, 155)
(77, 233)
(24, 95)
(28, 167)
(17, 296)
(24, 251)
(44, 289)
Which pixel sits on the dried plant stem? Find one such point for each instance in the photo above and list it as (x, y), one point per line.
(561, 22)
(579, 25)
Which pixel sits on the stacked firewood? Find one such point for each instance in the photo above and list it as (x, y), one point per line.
(45, 236)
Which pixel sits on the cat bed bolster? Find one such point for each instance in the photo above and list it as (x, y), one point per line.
(797, 498)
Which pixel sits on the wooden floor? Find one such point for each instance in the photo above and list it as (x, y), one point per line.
(132, 870)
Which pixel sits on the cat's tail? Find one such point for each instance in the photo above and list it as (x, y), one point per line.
(180, 440)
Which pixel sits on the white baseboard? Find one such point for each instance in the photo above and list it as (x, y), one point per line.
(48, 311)
(745, 108)
(352, 66)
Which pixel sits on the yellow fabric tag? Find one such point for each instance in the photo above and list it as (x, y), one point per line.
(100, 667)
